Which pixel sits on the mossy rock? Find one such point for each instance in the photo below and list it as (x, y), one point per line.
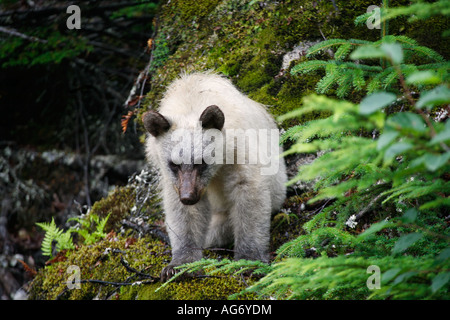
(117, 205)
(246, 41)
(102, 266)
(208, 288)
(101, 261)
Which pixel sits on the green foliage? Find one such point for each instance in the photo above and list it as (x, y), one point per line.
(87, 223)
(346, 277)
(161, 52)
(54, 235)
(420, 10)
(349, 76)
(56, 239)
(375, 163)
(55, 48)
(405, 134)
(400, 159)
(324, 241)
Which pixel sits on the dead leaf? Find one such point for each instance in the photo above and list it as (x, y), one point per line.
(125, 119)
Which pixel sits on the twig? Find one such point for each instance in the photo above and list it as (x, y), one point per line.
(147, 229)
(363, 211)
(140, 274)
(112, 283)
(15, 33)
(87, 149)
(143, 75)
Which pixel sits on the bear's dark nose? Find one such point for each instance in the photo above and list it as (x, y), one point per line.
(189, 199)
(188, 190)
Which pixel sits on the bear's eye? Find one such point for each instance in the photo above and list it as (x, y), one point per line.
(173, 166)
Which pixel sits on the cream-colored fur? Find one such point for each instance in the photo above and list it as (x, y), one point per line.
(238, 199)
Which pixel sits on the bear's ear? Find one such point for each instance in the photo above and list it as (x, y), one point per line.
(155, 123)
(212, 118)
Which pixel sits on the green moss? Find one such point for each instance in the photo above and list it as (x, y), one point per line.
(161, 52)
(100, 261)
(247, 43)
(118, 204)
(190, 10)
(190, 289)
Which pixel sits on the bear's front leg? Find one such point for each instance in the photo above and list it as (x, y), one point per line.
(251, 214)
(187, 228)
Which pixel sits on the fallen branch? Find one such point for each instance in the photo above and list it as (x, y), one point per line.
(147, 229)
(138, 273)
(363, 211)
(112, 283)
(15, 33)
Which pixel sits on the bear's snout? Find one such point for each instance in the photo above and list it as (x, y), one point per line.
(188, 190)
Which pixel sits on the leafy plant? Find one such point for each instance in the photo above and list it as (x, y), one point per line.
(373, 158)
(418, 10)
(384, 165)
(87, 223)
(55, 239)
(354, 75)
(350, 76)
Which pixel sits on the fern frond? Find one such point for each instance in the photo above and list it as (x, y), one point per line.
(102, 224)
(54, 236)
(51, 234)
(64, 241)
(87, 223)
